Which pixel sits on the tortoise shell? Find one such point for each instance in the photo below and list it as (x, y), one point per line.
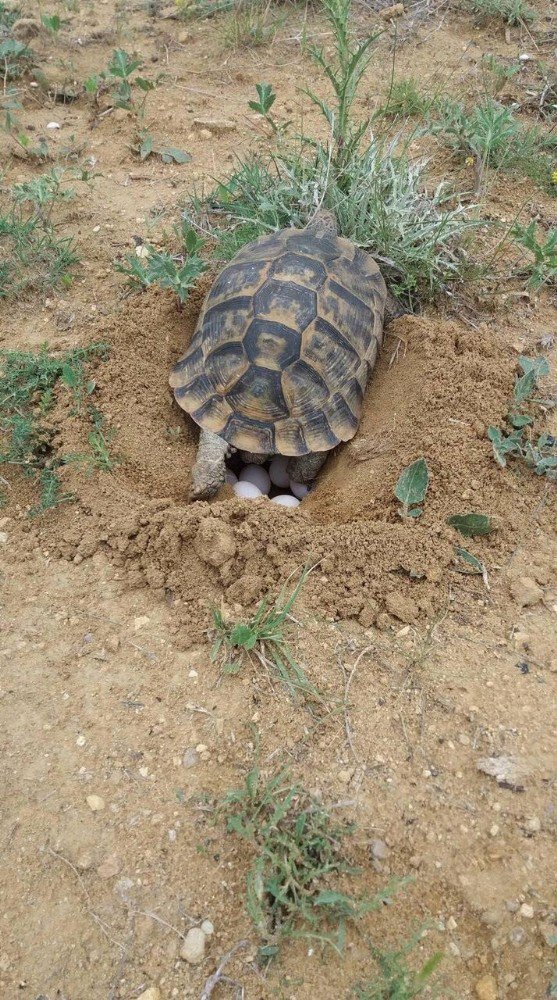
(284, 344)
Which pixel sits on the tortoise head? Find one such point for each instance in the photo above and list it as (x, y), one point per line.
(324, 223)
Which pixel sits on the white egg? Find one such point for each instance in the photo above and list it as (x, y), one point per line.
(299, 490)
(277, 471)
(230, 477)
(246, 490)
(285, 500)
(257, 475)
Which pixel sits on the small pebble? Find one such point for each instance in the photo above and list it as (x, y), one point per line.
(527, 911)
(95, 803)
(486, 988)
(53, 125)
(193, 948)
(153, 993)
(207, 928)
(534, 824)
(80, 741)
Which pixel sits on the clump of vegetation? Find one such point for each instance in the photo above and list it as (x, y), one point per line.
(513, 12)
(16, 58)
(411, 488)
(406, 101)
(146, 147)
(35, 257)
(395, 980)
(380, 197)
(538, 452)
(263, 636)
(122, 81)
(251, 24)
(493, 137)
(297, 855)
(29, 385)
(176, 272)
(496, 73)
(542, 270)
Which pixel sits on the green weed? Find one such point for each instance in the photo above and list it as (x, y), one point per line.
(146, 147)
(513, 12)
(266, 98)
(175, 272)
(34, 256)
(496, 74)
(395, 980)
(16, 58)
(250, 25)
(29, 385)
(542, 270)
(263, 637)
(297, 855)
(406, 101)
(539, 453)
(122, 81)
(491, 134)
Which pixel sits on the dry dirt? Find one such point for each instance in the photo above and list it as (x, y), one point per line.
(107, 688)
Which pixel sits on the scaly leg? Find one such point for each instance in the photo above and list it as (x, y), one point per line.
(209, 470)
(305, 468)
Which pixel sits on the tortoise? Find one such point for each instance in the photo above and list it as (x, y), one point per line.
(286, 339)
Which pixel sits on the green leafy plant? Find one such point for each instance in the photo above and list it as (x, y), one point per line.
(30, 383)
(53, 23)
(34, 256)
(297, 853)
(395, 980)
(543, 269)
(538, 454)
(146, 147)
(496, 73)
(266, 99)
(176, 272)
(513, 12)
(262, 636)
(471, 525)
(411, 488)
(121, 80)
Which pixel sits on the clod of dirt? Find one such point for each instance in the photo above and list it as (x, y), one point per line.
(25, 28)
(214, 542)
(109, 867)
(486, 988)
(526, 591)
(403, 608)
(396, 10)
(509, 772)
(193, 948)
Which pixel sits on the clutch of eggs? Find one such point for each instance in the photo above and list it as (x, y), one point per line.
(255, 481)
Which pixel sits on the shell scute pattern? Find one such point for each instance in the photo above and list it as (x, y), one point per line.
(279, 359)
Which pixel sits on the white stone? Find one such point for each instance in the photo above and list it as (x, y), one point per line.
(95, 803)
(193, 948)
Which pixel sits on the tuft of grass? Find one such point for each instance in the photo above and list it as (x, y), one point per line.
(176, 272)
(395, 980)
(250, 25)
(34, 256)
(512, 12)
(538, 452)
(406, 101)
(29, 385)
(263, 636)
(298, 857)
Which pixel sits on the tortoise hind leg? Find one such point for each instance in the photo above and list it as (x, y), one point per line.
(254, 458)
(209, 470)
(305, 468)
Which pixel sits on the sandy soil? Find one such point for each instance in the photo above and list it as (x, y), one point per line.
(107, 689)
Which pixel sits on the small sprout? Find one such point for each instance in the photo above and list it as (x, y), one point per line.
(471, 525)
(412, 488)
(52, 23)
(478, 567)
(146, 147)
